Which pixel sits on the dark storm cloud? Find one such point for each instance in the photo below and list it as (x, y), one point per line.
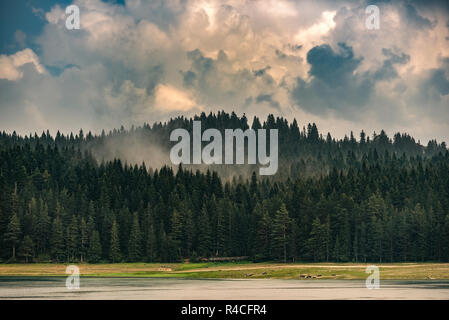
(438, 80)
(333, 84)
(332, 67)
(217, 80)
(189, 78)
(387, 71)
(336, 84)
(201, 68)
(413, 17)
(269, 99)
(200, 63)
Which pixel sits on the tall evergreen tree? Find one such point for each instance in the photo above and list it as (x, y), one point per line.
(26, 249)
(94, 253)
(204, 234)
(73, 240)
(12, 235)
(317, 241)
(57, 240)
(84, 240)
(135, 241)
(280, 233)
(114, 251)
(151, 244)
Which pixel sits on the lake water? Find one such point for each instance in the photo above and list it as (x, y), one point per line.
(161, 289)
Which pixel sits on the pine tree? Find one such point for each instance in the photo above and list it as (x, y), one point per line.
(220, 234)
(57, 240)
(84, 240)
(446, 238)
(264, 235)
(204, 234)
(114, 251)
(355, 247)
(337, 250)
(134, 245)
(326, 234)
(316, 241)
(105, 233)
(280, 234)
(94, 253)
(12, 234)
(43, 228)
(420, 232)
(151, 244)
(377, 240)
(26, 249)
(73, 239)
(188, 230)
(176, 230)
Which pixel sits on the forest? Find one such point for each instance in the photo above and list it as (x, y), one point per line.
(69, 198)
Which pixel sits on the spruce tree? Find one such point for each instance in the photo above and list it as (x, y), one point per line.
(94, 253)
(114, 251)
(264, 234)
(220, 233)
(26, 248)
(176, 230)
(316, 241)
(280, 234)
(73, 239)
(204, 234)
(84, 240)
(12, 235)
(134, 244)
(57, 240)
(151, 244)
(43, 228)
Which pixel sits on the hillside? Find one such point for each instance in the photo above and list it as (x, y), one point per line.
(69, 198)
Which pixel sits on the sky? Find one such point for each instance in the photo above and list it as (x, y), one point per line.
(134, 62)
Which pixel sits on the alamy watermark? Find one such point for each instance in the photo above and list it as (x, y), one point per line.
(73, 17)
(372, 21)
(212, 153)
(73, 281)
(373, 280)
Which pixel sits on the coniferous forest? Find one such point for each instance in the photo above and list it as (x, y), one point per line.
(364, 198)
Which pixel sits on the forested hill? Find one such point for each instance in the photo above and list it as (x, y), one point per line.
(366, 199)
(302, 151)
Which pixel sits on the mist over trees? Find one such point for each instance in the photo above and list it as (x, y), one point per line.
(370, 198)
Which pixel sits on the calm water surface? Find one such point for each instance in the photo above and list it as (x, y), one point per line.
(150, 288)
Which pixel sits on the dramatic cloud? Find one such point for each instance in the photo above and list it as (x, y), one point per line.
(333, 84)
(10, 65)
(146, 61)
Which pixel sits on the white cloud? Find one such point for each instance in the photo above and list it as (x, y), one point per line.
(10, 65)
(170, 98)
(313, 35)
(55, 15)
(131, 64)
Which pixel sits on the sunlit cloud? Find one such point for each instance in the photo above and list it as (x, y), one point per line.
(149, 60)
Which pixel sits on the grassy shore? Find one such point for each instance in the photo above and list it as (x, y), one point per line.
(237, 270)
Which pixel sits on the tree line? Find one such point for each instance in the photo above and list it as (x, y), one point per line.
(363, 200)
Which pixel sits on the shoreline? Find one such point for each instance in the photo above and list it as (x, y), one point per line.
(240, 270)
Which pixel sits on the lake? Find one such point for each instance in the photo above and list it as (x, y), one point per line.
(168, 288)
